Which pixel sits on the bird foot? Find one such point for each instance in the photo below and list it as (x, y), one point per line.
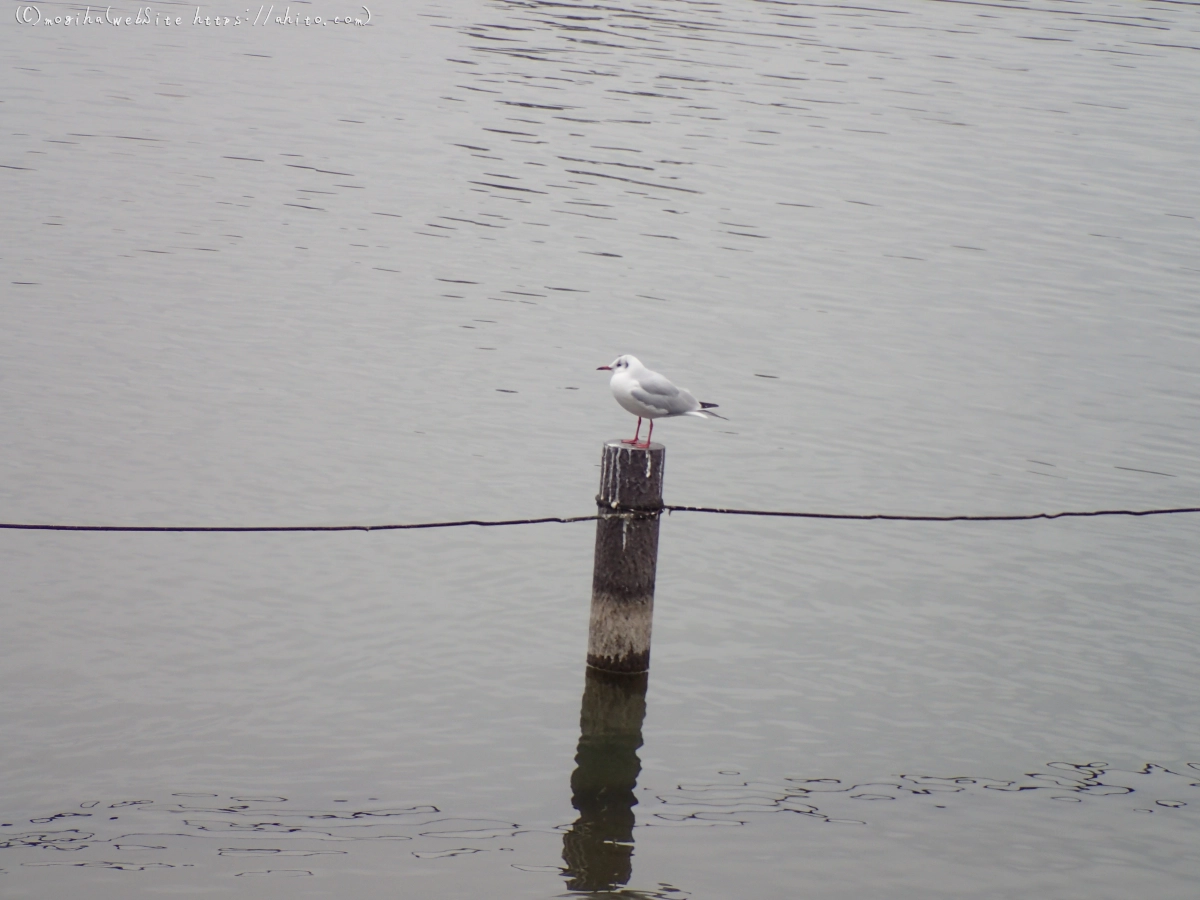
(633, 441)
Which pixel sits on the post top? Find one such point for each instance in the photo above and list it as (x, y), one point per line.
(621, 445)
(631, 478)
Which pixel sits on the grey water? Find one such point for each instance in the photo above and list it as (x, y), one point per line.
(929, 258)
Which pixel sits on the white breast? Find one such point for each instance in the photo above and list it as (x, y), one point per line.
(622, 385)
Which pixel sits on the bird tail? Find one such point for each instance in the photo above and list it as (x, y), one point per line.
(706, 409)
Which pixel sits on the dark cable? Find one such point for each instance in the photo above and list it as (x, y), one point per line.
(901, 518)
(560, 520)
(226, 528)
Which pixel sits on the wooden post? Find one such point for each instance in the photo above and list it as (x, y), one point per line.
(629, 505)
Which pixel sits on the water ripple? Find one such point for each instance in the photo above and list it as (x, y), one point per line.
(176, 833)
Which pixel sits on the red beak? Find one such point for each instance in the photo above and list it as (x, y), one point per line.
(603, 368)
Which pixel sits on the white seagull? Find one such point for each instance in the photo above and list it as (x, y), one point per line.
(649, 395)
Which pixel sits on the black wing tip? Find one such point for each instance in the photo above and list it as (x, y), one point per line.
(704, 405)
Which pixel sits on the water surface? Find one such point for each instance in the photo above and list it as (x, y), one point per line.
(929, 258)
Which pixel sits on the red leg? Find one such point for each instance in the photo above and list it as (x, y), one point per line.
(648, 436)
(636, 433)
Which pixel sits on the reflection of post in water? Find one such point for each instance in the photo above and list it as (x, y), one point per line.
(598, 848)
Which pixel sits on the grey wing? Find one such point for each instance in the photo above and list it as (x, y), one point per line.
(658, 392)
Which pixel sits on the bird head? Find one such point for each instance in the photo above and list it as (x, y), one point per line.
(620, 364)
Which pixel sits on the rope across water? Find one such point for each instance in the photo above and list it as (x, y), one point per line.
(492, 523)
